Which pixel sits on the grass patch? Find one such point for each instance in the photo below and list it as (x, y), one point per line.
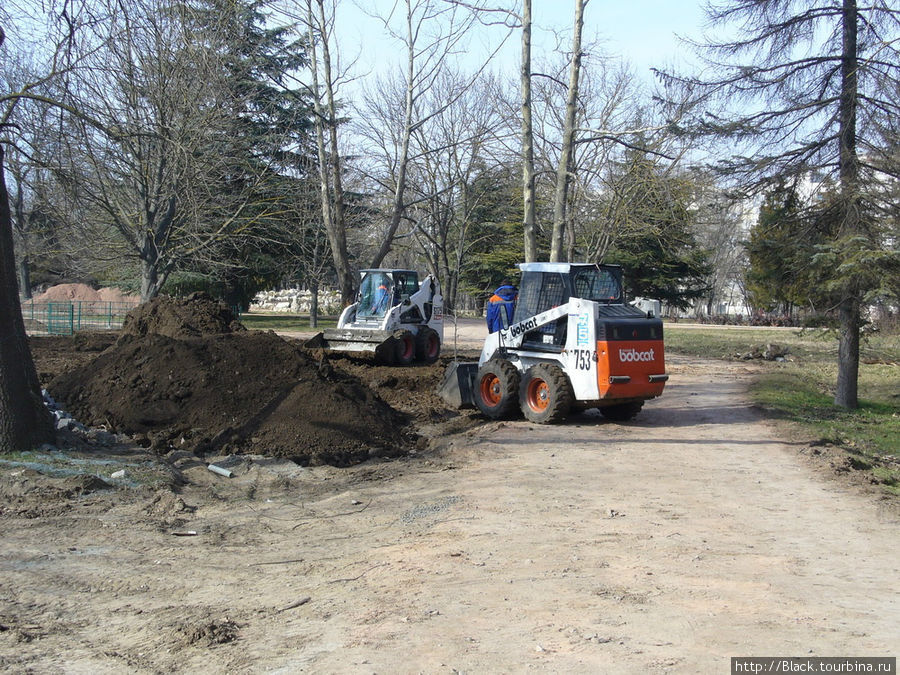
(804, 344)
(801, 390)
(276, 322)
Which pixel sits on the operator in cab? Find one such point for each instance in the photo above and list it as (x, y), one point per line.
(501, 307)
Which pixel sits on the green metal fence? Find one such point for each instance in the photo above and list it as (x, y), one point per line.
(67, 318)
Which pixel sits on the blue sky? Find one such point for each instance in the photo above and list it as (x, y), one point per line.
(641, 31)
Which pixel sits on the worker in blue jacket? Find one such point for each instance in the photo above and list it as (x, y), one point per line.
(501, 306)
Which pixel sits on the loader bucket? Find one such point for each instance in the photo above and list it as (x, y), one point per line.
(317, 341)
(457, 389)
(350, 340)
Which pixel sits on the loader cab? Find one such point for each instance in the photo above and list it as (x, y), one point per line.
(548, 285)
(381, 289)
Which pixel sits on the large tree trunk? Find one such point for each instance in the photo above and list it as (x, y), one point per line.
(563, 171)
(846, 394)
(24, 420)
(527, 139)
(150, 282)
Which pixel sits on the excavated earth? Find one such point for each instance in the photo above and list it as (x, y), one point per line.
(184, 375)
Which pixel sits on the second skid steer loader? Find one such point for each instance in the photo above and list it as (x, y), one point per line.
(573, 343)
(394, 317)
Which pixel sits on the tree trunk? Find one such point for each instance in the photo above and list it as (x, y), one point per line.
(314, 303)
(527, 139)
(24, 419)
(150, 283)
(332, 199)
(23, 270)
(563, 171)
(570, 229)
(848, 355)
(848, 351)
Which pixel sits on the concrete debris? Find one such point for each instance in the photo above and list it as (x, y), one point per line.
(296, 300)
(768, 352)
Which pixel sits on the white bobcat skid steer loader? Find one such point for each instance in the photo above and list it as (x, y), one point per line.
(394, 317)
(573, 344)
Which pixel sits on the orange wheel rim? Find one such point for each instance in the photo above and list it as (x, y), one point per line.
(491, 391)
(538, 395)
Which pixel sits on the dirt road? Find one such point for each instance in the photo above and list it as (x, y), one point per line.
(667, 544)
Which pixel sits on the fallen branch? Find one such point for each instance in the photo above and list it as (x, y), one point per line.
(333, 515)
(294, 605)
(334, 581)
(276, 562)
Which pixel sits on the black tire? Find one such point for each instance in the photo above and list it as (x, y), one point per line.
(545, 394)
(621, 412)
(496, 389)
(428, 345)
(404, 347)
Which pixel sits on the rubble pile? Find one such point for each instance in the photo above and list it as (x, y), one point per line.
(296, 301)
(767, 352)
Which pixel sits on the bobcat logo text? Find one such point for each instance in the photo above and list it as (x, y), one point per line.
(626, 355)
(524, 327)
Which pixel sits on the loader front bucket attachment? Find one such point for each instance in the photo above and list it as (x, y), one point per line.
(458, 388)
(351, 340)
(317, 341)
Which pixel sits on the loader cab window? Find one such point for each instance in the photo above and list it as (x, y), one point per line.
(601, 284)
(405, 284)
(539, 292)
(376, 292)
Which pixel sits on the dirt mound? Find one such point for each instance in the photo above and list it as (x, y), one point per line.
(85, 293)
(227, 392)
(69, 292)
(198, 314)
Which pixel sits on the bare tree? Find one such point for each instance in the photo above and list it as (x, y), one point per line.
(431, 32)
(173, 172)
(563, 171)
(453, 151)
(320, 26)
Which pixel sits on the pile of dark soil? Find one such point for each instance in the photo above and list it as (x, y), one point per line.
(222, 392)
(198, 314)
(412, 390)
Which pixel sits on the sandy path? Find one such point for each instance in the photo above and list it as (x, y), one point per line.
(668, 544)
